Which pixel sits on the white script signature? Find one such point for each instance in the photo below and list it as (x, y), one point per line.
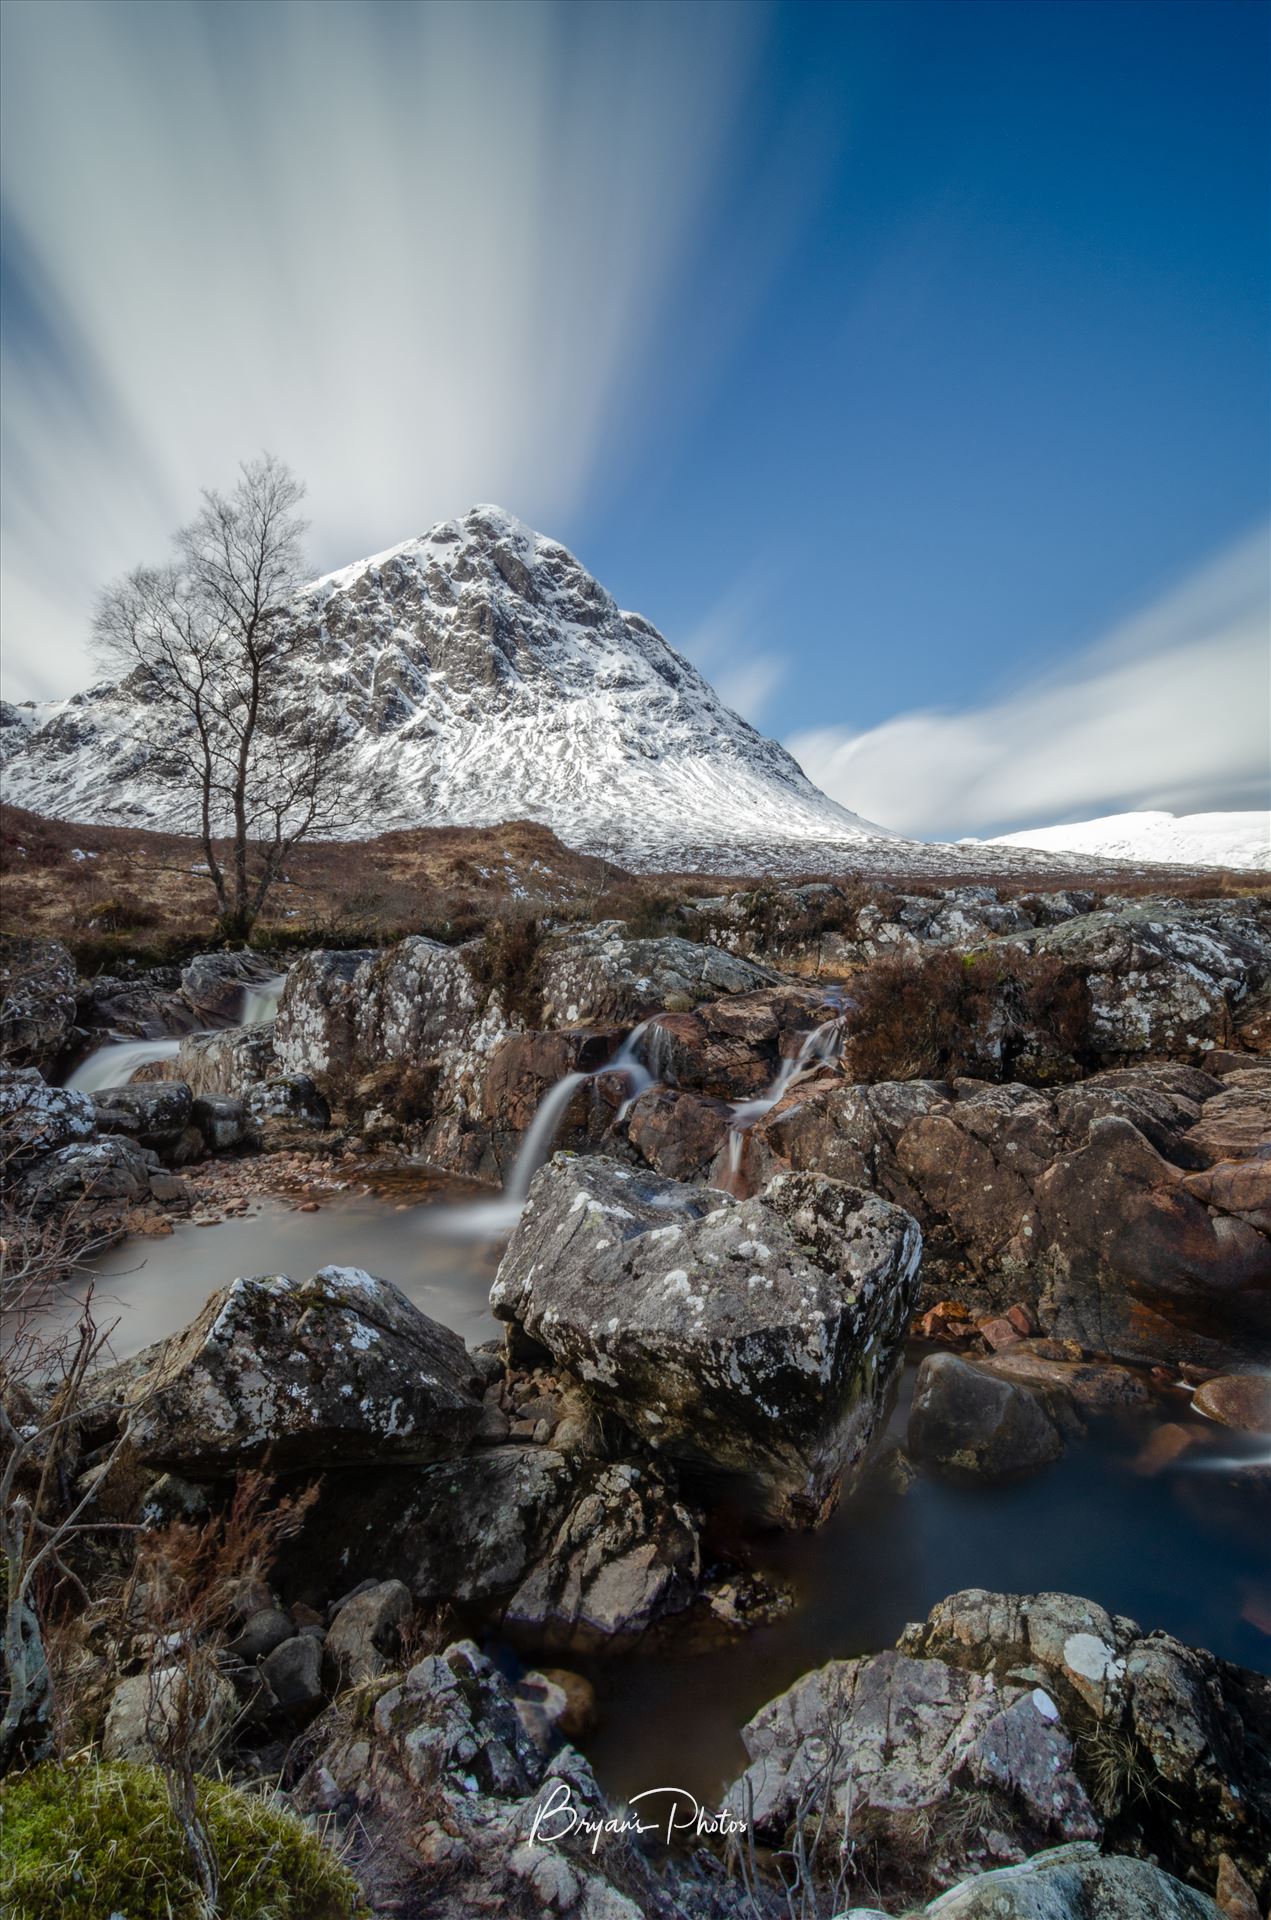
(556, 1817)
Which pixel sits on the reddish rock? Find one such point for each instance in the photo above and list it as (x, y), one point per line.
(1094, 1387)
(1165, 1446)
(1241, 1400)
(678, 1134)
(947, 1320)
(999, 1333)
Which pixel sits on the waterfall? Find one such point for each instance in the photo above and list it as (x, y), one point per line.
(114, 1065)
(260, 1002)
(821, 1047)
(539, 1136)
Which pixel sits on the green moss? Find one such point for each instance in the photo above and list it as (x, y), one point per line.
(90, 1841)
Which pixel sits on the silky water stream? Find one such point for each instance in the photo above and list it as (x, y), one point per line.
(1184, 1549)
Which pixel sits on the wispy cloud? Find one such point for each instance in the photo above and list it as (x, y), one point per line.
(733, 647)
(1169, 711)
(422, 252)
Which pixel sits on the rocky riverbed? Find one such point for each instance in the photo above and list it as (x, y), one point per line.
(654, 1450)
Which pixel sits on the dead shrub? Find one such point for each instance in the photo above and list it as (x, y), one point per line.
(993, 1014)
(504, 962)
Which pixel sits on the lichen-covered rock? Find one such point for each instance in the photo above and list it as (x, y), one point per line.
(146, 1707)
(220, 1120)
(889, 1746)
(445, 1805)
(1165, 977)
(965, 1421)
(753, 1339)
(366, 1632)
(112, 1172)
(152, 1113)
(37, 1000)
(231, 1062)
(283, 1106)
(601, 975)
(216, 985)
(36, 1119)
(305, 1374)
(1073, 1883)
(1187, 1736)
(410, 1002)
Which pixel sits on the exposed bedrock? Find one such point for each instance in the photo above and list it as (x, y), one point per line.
(1131, 1211)
(754, 1340)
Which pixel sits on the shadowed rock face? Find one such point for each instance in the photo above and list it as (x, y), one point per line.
(307, 1374)
(753, 1339)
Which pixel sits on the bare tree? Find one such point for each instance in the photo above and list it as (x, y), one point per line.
(208, 642)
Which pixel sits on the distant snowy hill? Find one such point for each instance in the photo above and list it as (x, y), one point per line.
(500, 681)
(1189, 839)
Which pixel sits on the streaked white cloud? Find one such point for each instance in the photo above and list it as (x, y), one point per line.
(732, 646)
(1170, 711)
(423, 252)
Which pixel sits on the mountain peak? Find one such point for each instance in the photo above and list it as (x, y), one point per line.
(500, 680)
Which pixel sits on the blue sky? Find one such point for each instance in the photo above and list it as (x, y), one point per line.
(906, 363)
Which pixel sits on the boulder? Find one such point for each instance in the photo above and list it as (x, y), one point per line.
(221, 1121)
(680, 1135)
(1073, 1883)
(154, 1113)
(1241, 1400)
(1178, 1742)
(306, 1374)
(280, 1108)
(889, 1749)
(442, 1802)
(601, 975)
(367, 1632)
(1165, 977)
(967, 1421)
(229, 1063)
(755, 1340)
(37, 1000)
(147, 1707)
(36, 1119)
(410, 1002)
(293, 1673)
(467, 1530)
(215, 985)
(1097, 1205)
(110, 1172)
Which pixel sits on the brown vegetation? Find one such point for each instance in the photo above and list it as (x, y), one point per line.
(1000, 1013)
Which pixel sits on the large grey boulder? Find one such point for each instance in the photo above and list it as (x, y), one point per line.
(411, 1002)
(1185, 1738)
(109, 1173)
(624, 1558)
(753, 1339)
(1074, 1883)
(887, 1747)
(146, 1709)
(36, 1119)
(228, 1063)
(304, 1374)
(1165, 977)
(602, 975)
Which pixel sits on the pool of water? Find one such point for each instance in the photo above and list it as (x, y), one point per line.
(1186, 1549)
(435, 1252)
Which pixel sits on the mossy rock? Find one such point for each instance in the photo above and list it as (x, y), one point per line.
(90, 1841)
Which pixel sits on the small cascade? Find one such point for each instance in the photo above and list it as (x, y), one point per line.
(114, 1065)
(821, 1047)
(260, 1002)
(539, 1136)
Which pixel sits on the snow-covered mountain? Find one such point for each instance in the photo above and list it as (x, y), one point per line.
(1190, 839)
(500, 681)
